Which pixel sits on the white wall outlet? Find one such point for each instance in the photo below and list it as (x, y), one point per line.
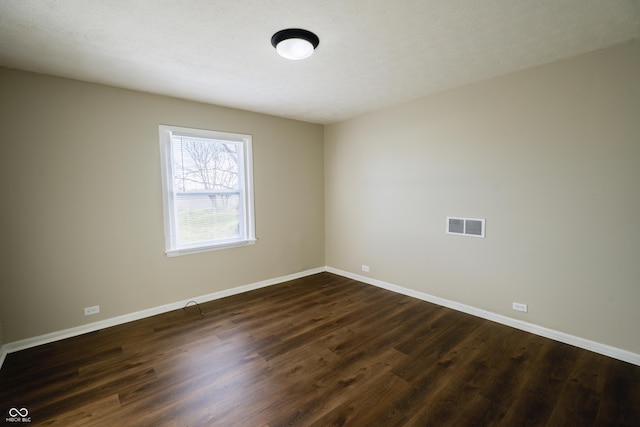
(92, 310)
(365, 268)
(519, 306)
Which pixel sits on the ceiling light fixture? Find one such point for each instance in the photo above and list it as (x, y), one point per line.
(295, 43)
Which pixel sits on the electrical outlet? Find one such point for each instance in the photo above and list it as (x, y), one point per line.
(92, 310)
(519, 307)
(365, 268)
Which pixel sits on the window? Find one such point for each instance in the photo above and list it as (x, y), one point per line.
(207, 189)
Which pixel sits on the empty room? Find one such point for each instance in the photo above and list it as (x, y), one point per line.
(361, 213)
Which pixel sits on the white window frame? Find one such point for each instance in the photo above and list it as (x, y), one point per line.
(247, 218)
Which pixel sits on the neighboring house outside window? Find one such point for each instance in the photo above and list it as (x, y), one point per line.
(207, 185)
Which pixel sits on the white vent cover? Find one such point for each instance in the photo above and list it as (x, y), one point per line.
(473, 227)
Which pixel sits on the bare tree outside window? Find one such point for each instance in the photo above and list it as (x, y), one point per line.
(206, 181)
(204, 164)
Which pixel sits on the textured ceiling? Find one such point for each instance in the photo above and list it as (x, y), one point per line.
(372, 53)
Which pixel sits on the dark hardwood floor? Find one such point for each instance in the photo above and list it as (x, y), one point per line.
(319, 351)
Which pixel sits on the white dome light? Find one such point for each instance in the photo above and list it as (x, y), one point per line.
(294, 49)
(295, 43)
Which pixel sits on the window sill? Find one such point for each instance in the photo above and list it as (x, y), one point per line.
(189, 251)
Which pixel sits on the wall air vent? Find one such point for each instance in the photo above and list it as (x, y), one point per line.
(473, 227)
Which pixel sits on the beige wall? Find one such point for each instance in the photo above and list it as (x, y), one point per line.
(549, 156)
(81, 217)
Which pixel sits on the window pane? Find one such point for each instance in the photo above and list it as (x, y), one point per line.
(207, 217)
(204, 164)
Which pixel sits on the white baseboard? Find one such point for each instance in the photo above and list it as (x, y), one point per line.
(3, 355)
(586, 344)
(91, 327)
(583, 343)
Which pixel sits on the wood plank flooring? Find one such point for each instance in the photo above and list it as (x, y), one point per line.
(319, 351)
